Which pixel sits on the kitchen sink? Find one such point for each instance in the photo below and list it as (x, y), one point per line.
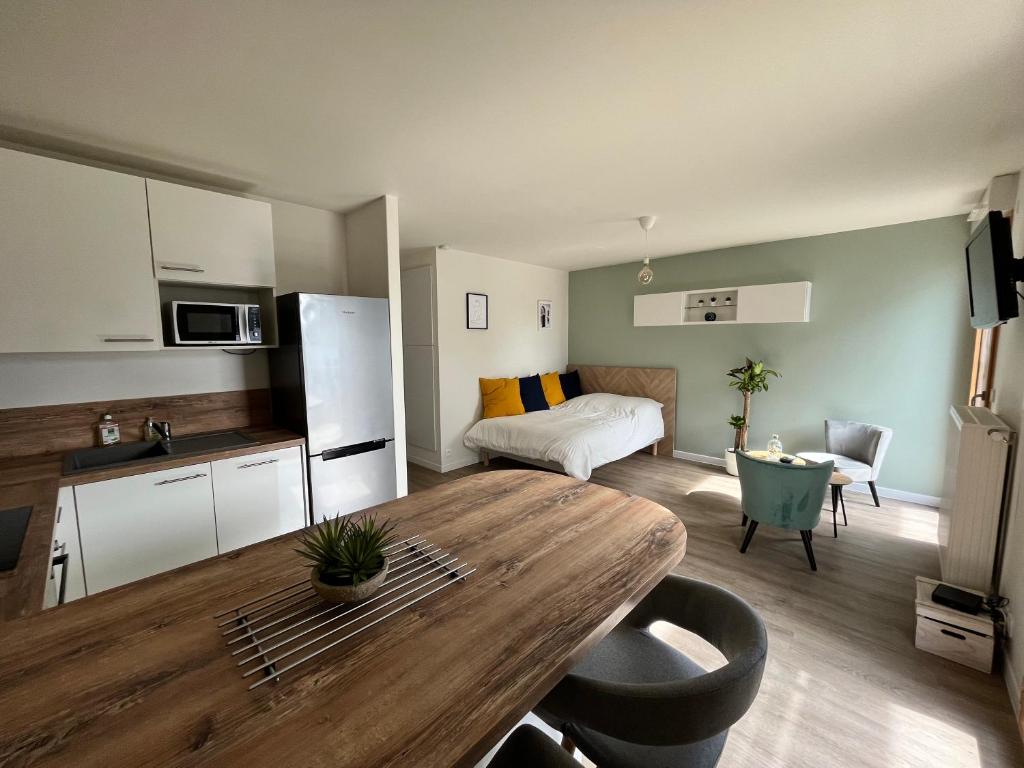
(213, 442)
(111, 455)
(130, 453)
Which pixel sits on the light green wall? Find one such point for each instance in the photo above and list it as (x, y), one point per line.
(889, 341)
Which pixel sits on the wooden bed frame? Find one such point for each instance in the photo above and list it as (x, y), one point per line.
(656, 383)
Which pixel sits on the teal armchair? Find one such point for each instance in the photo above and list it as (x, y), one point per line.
(784, 495)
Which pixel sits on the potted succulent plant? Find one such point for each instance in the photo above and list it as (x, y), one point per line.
(348, 560)
(749, 378)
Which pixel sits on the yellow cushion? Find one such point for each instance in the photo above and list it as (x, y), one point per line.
(501, 397)
(552, 387)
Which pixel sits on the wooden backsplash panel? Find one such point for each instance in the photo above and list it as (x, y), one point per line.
(58, 428)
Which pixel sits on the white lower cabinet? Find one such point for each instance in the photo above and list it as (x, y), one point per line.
(258, 497)
(138, 526)
(66, 570)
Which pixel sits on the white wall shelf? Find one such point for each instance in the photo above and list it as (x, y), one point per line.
(772, 303)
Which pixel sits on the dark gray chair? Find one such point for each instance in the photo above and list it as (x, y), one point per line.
(528, 747)
(636, 702)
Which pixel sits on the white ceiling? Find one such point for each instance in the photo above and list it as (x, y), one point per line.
(537, 131)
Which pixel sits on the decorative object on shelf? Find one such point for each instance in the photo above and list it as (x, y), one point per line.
(700, 302)
(714, 300)
(774, 446)
(728, 299)
(646, 275)
(347, 557)
(476, 311)
(749, 378)
(737, 423)
(710, 317)
(544, 314)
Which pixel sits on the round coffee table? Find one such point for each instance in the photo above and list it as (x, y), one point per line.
(838, 481)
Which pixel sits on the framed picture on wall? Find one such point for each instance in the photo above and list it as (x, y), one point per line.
(544, 314)
(476, 311)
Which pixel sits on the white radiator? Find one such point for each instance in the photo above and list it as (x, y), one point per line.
(977, 451)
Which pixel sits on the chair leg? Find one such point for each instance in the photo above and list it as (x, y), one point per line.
(744, 522)
(806, 536)
(835, 500)
(750, 534)
(568, 744)
(874, 492)
(842, 502)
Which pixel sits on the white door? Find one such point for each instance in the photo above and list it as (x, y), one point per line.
(76, 266)
(258, 497)
(138, 526)
(209, 237)
(350, 483)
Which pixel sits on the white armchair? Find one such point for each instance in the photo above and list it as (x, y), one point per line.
(857, 450)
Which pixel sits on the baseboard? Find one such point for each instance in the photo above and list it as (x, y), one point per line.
(699, 458)
(425, 463)
(898, 495)
(885, 493)
(459, 464)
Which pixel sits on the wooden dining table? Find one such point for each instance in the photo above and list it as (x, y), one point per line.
(140, 675)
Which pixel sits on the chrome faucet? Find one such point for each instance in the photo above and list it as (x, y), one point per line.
(159, 429)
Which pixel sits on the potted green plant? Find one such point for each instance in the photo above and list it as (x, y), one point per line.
(749, 378)
(348, 558)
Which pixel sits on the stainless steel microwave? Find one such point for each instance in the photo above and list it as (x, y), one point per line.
(200, 322)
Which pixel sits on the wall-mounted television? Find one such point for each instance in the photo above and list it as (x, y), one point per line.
(992, 272)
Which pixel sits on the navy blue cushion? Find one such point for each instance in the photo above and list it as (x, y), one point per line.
(532, 394)
(570, 384)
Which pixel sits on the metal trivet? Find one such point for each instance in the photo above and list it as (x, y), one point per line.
(277, 632)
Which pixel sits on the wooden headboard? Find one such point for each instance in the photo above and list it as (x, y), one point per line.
(656, 383)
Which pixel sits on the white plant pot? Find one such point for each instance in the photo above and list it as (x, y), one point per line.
(730, 463)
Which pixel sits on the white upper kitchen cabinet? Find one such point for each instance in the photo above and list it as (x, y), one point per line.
(209, 237)
(76, 263)
(134, 527)
(258, 497)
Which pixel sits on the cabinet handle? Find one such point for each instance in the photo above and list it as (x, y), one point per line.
(60, 508)
(257, 463)
(111, 339)
(182, 268)
(62, 561)
(957, 635)
(180, 479)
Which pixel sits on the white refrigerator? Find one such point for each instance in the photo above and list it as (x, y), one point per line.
(331, 382)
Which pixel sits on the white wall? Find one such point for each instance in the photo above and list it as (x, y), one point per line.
(373, 263)
(309, 249)
(512, 345)
(82, 377)
(1008, 403)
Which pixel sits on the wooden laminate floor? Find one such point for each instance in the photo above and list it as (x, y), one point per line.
(844, 685)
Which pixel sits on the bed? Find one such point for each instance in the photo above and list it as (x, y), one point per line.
(622, 410)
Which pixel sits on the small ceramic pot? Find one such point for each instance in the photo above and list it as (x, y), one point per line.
(730, 462)
(334, 593)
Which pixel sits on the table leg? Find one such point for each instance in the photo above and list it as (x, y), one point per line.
(836, 490)
(842, 501)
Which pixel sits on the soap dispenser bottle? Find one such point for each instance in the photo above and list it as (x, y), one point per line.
(109, 431)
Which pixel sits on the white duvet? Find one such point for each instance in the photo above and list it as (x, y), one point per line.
(580, 434)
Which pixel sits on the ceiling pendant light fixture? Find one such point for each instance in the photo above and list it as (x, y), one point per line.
(646, 275)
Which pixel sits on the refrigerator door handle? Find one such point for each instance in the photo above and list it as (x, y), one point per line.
(353, 450)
